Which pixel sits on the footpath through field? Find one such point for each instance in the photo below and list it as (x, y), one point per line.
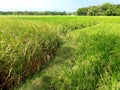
(64, 59)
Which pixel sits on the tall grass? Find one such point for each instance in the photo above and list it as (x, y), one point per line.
(97, 64)
(29, 42)
(24, 48)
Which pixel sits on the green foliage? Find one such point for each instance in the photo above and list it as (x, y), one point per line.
(107, 9)
(88, 57)
(25, 47)
(32, 13)
(97, 63)
(82, 11)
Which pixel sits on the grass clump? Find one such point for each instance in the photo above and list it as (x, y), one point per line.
(97, 63)
(24, 48)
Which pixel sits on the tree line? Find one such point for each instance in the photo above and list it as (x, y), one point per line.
(107, 9)
(34, 13)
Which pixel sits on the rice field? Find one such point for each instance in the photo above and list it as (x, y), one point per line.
(59, 53)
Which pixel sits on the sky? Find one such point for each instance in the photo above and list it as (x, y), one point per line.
(49, 5)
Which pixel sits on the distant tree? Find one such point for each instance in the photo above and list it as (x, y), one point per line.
(82, 11)
(93, 11)
(33, 13)
(107, 9)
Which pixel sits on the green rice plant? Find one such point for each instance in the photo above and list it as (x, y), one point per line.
(97, 63)
(24, 48)
(89, 47)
